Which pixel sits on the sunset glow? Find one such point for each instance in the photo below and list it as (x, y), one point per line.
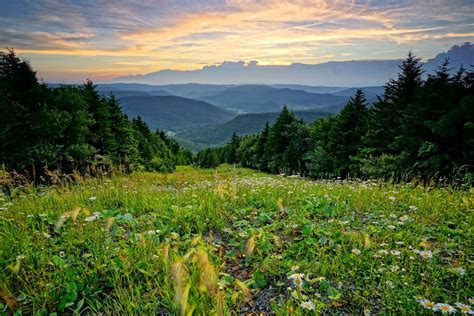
(70, 41)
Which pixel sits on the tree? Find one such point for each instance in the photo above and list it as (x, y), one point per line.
(231, 152)
(346, 135)
(71, 129)
(278, 141)
(385, 116)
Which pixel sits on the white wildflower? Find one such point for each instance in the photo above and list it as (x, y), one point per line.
(307, 305)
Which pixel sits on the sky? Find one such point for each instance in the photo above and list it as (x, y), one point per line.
(70, 41)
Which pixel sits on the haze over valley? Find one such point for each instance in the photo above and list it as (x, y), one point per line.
(202, 114)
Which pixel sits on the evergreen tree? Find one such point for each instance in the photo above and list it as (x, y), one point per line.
(71, 129)
(231, 153)
(385, 116)
(101, 136)
(262, 156)
(346, 135)
(278, 141)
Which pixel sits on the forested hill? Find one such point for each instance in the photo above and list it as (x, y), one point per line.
(72, 129)
(261, 99)
(419, 128)
(244, 124)
(173, 113)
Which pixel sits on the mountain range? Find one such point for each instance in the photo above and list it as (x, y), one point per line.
(205, 114)
(213, 135)
(334, 73)
(172, 112)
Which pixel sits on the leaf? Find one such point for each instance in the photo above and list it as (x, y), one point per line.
(333, 293)
(259, 279)
(58, 261)
(79, 306)
(231, 254)
(307, 229)
(323, 285)
(329, 212)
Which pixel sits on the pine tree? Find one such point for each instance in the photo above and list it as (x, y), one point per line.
(385, 116)
(346, 134)
(101, 136)
(231, 154)
(263, 156)
(278, 141)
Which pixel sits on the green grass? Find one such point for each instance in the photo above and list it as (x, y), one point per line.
(221, 241)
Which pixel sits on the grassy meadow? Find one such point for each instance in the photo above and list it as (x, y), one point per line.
(234, 241)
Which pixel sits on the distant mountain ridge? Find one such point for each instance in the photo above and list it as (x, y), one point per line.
(334, 73)
(261, 98)
(245, 124)
(172, 112)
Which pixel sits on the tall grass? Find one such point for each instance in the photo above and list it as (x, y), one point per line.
(226, 241)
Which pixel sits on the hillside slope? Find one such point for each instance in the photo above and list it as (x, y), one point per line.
(173, 113)
(261, 99)
(245, 124)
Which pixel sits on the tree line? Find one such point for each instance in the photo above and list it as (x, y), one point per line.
(72, 128)
(421, 127)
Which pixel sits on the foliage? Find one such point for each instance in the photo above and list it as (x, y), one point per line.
(419, 128)
(72, 128)
(233, 241)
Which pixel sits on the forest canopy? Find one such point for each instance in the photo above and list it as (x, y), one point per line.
(421, 127)
(72, 128)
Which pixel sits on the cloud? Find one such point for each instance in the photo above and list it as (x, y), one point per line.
(152, 35)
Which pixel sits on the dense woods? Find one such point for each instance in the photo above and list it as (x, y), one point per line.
(421, 127)
(72, 129)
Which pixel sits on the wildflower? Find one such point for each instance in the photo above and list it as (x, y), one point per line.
(153, 232)
(404, 218)
(471, 300)
(412, 258)
(383, 252)
(46, 235)
(465, 309)
(62, 254)
(366, 312)
(391, 226)
(297, 279)
(92, 198)
(426, 254)
(393, 216)
(444, 308)
(395, 268)
(427, 304)
(356, 251)
(412, 208)
(307, 305)
(395, 253)
(295, 268)
(389, 284)
(392, 198)
(93, 217)
(460, 270)
(20, 257)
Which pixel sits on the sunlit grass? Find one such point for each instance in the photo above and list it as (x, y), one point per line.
(233, 240)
